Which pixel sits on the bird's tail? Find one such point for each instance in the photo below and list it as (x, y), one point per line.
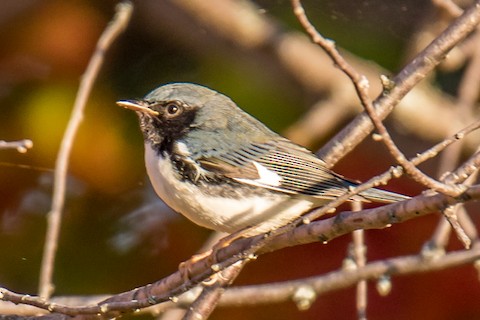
(377, 195)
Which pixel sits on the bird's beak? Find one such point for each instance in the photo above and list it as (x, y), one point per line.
(136, 105)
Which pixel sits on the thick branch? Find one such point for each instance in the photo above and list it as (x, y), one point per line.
(324, 230)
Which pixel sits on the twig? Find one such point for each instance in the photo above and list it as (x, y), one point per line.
(465, 230)
(204, 305)
(410, 168)
(468, 94)
(360, 253)
(450, 214)
(360, 82)
(433, 151)
(175, 313)
(336, 280)
(448, 6)
(22, 146)
(361, 85)
(467, 224)
(116, 26)
(467, 168)
(458, 220)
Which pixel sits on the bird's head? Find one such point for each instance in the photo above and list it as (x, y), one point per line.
(184, 110)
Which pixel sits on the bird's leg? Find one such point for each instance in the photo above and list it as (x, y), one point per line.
(211, 254)
(184, 267)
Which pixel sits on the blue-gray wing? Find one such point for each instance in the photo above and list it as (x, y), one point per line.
(283, 166)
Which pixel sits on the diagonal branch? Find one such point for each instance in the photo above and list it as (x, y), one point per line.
(204, 305)
(360, 82)
(361, 85)
(116, 26)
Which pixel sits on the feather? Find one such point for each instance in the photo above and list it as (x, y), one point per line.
(285, 167)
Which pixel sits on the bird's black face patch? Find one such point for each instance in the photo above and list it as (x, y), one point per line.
(173, 121)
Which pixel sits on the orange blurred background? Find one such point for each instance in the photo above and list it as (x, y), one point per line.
(116, 234)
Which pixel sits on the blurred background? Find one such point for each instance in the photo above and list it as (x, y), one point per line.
(116, 234)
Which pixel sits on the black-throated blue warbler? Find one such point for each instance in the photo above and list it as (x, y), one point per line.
(225, 170)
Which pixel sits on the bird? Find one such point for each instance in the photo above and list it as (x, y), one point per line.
(225, 170)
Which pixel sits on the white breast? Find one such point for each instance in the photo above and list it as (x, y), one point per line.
(220, 213)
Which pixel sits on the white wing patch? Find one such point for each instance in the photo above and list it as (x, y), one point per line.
(266, 177)
(182, 149)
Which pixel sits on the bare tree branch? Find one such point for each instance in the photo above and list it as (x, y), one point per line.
(359, 252)
(22, 146)
(115, 28)
(213, 289)
(361, 85)
(336, 280)
(280, 292)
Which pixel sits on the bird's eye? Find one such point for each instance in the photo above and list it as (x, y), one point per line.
(172, 109)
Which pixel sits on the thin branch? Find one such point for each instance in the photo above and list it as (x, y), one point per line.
(22, 146)
(175, 313)
(361, 85)
(467, 97)
(204, 305)
(467, 169)
(410, 168)
(448, 6)
(450, 214)
(360, 255)
(360, 82)
(339, 279)
(467, 224)
(113, 30)
(284, 291)
(433, 151)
